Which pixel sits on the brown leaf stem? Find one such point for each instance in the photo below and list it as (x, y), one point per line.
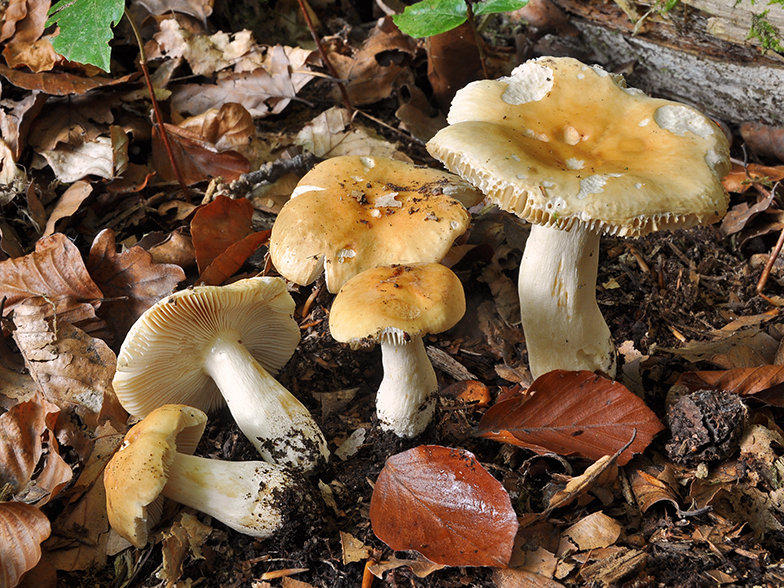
(156, 109)
(773, 254)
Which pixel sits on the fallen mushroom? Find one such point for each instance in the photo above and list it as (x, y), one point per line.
(155, 461)
(569, 148)
(395, 307)
(352, 213)
(213, 344)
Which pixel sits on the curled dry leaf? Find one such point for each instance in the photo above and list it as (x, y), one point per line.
(442, 503)
(764, 139)
(22, 529)
(573, 413)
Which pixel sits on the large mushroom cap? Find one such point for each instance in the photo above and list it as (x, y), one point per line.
(560, 142)
(397, 302)
(353, 213)
(136, 475)
(161, 360)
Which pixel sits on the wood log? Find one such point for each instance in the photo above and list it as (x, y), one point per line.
(675, 56)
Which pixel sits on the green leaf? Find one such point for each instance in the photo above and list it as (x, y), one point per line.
(431, 17)
(498, 6)
(85, 29)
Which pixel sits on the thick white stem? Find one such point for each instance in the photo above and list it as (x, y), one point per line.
(564, 328)
(279, 425)
(246, 496)
(405, 401)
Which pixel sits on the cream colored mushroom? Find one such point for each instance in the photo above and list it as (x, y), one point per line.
(569, 148)
(395, 307)
(211, 345)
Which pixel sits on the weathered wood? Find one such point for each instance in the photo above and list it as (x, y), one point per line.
(732, 22)
(676, 59)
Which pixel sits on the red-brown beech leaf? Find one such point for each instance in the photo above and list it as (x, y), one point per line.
(227, 263)
(573, 413)
(219, 225)
(442, 503)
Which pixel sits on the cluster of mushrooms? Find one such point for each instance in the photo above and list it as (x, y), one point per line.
(565, 146)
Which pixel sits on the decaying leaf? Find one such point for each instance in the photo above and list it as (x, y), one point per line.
(764, 383)
(573, 413)
(131, 281)
(22, 529)
(442, 503)
(591, 532)
(764, 139)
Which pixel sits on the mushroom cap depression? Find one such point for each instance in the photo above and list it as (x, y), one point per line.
(352, 213)
(397, 302)
(161, 360)
(136, 475)
(559, 142)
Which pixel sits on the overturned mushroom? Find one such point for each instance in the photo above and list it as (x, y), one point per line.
(155, 461)
(214, 344)
(569, 148)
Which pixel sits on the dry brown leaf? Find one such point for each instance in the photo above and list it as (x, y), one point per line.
(764, 383)
(228, 127)
(741, 178)
(518, 578)
(763, 139)
(200, 9)
(55, 274)
(71, 368)
(735, 349)
(353, 548)
(197, 160)
(262, 91)
(650, 490)
(60, 84)
(591, 532)
(24, 20)
(27, 435)
(740, 214)
(452, 62)
(68, 204)
(603, 472)
(22, 529)
(131, 280)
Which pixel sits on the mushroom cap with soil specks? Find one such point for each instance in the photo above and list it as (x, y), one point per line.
(352, 213)
(155, 461)
(560, 142)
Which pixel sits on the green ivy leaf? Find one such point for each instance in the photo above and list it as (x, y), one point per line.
(433, 17)
(498, 6)
(85, 29)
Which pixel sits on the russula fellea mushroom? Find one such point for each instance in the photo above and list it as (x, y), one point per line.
(213, 344)
(352, 213)
(569, 148)
(155, 460)
(395, 307)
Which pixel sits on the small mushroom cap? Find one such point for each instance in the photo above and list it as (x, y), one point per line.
(560, 142)
(394, 303)
(352, 213)
(135, 476)
(161, 360)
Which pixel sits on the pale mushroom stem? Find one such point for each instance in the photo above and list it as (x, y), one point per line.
(244, 495)
(563, 326)
(271, 417)
(405, 401)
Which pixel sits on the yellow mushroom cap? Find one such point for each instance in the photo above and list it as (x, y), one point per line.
(559, 142)
(393, 303)
(352, 213)
(135, 476)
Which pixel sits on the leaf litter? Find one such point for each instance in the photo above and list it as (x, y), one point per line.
(81, 262)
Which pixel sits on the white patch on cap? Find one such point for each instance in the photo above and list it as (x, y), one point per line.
(580, 76)
(302, 189)
(644, 122)
(531, 134)
(548, 184)
(515, 157)
(388, 200)
(344, 254)
(368, 162)
(454, 224)
(571, 135)
(593, 185)
(680, 119)
(375, 213)
(574, 163)
(600, 71)
(633, 91)
(714, 160)
(529, 82)
(357, 179)
(638, 185)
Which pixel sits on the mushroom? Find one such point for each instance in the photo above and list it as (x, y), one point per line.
(395, 307)
(569, 148)
(213, 344)
(352, 213)
(155, 460)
